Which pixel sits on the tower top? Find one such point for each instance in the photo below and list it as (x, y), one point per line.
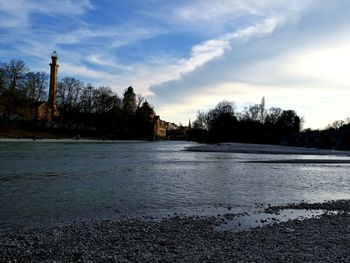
(54, 54)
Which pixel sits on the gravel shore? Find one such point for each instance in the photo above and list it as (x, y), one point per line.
(189, 239)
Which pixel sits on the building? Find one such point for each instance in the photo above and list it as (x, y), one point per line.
(51, 107)
(148, 123)
(30, 110)
(27, 110)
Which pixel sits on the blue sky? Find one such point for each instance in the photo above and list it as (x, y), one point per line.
(185, 56)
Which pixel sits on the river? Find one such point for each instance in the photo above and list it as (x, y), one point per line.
(54, 182)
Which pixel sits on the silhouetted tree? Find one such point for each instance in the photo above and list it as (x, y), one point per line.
(103, 99)
(251, 113)
(289, 122)
(2, 79)
(14, 73)
(273, 115)
(336, 124)
(139, 100)
(219, 122)
(254, 124)
(36, 86)
(87, 99)
(92, 111)
(201, 121)
(68, 94)
(343, 142)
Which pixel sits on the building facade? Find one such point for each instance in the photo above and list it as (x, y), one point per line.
(149, 123)
(29, 110)
(51, 107)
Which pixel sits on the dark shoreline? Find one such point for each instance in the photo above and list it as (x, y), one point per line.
(187, 239)
(302, 161)
(248, 148)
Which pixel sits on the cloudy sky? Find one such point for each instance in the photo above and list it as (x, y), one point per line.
(187, 55)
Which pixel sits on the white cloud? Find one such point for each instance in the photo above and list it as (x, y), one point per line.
(211, 50)
(299, 64)
(80, 70)
(16, 13)
(201, 10)
(213, 17)
(110, 37)
(249, 49)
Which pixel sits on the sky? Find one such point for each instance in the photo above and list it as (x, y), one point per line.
(187, 55)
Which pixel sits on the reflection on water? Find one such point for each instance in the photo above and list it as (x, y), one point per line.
(52, 182)
(254, 220)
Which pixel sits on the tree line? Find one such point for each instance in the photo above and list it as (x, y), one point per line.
(98, 111)
(19, 85)
(83, 108)
(255, 124)
(334, 136)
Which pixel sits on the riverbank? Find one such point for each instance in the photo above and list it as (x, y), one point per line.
(29, 134)
(187, 239)
(263, 149)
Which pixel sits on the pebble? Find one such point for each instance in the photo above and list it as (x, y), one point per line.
(184, 239)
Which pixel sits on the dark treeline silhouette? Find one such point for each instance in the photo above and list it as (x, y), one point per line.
(19, 86)
(83, 109)
(100, 112)
(336, 136)
(97, 110)
(254, 124)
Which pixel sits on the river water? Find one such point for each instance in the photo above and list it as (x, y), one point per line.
(53, 182)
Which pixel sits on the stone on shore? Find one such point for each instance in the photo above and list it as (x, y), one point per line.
(189, 239)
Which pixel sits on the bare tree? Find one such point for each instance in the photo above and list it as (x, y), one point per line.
(139, 100)
(103, 99)
(251, 113)
(36, 85)
(86, 99)
(2, 78)
(273, 115)
(225, 107)
(201, 121)
(68, 93)
(337, 124)
(14, 73)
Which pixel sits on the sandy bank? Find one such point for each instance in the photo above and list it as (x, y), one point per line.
(190, 239)
(263, 149)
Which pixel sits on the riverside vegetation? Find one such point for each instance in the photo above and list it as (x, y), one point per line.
(256, 124)
(84, 109)
(100, 112)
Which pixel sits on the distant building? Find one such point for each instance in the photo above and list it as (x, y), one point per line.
(27, 110)
(149, 122)
(171, 126)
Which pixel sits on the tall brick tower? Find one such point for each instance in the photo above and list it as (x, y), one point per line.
(52, 102)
